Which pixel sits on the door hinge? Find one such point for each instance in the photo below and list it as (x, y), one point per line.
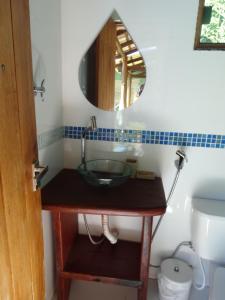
(37, 173)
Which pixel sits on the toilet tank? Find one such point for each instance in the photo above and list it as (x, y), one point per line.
(208, 229)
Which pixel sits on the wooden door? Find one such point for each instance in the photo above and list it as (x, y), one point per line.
(105, 66)
(21, 241)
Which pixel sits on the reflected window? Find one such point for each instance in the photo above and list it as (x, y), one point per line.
(210, 29)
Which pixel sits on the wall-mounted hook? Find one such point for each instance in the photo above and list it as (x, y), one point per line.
(40, 90)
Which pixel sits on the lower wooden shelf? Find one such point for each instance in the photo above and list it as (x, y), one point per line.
(119, 263)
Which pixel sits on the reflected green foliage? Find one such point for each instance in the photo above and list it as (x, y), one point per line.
(214, 32)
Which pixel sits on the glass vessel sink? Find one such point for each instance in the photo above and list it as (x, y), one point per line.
(105, 172)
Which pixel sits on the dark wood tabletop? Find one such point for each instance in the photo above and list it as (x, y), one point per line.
(67, 192)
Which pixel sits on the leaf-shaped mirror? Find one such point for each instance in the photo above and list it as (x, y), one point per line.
(112, 73)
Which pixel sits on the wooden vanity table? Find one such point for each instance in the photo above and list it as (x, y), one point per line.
(126, 262)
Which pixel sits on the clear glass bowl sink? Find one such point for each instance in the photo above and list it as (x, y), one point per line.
(105, 172)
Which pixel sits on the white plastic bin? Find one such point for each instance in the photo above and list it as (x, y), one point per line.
(174, 280)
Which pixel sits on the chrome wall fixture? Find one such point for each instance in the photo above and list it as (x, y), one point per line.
(40, 90)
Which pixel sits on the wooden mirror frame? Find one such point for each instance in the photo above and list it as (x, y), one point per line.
(204, 46)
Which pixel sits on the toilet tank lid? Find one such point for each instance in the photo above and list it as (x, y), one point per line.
(209, 206)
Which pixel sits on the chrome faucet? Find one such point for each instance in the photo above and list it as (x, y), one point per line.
(91, 127)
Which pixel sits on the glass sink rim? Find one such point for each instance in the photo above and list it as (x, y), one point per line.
(110, 160)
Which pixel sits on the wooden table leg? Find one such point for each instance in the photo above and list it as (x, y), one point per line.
(65, 229)
(145, 257)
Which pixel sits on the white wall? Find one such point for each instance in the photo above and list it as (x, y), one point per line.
(181, 83)
(184, 92)
(46, 48)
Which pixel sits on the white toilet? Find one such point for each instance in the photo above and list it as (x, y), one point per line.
(208, 239)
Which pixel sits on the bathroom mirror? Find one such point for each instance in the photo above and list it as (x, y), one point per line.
(112, 72)
(210, 28)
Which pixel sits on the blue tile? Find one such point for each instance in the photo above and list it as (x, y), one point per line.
(147, 137)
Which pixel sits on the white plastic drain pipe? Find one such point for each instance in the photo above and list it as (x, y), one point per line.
(112, 236)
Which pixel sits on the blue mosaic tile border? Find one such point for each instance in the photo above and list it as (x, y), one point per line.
(149, 137)
(49, 137)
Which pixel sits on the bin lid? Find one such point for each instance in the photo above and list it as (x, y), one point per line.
(176, 271)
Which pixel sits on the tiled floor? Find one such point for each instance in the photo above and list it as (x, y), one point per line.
(98, 291)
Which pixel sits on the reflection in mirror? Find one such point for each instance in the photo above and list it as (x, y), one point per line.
(112, 73)
(210, 29)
